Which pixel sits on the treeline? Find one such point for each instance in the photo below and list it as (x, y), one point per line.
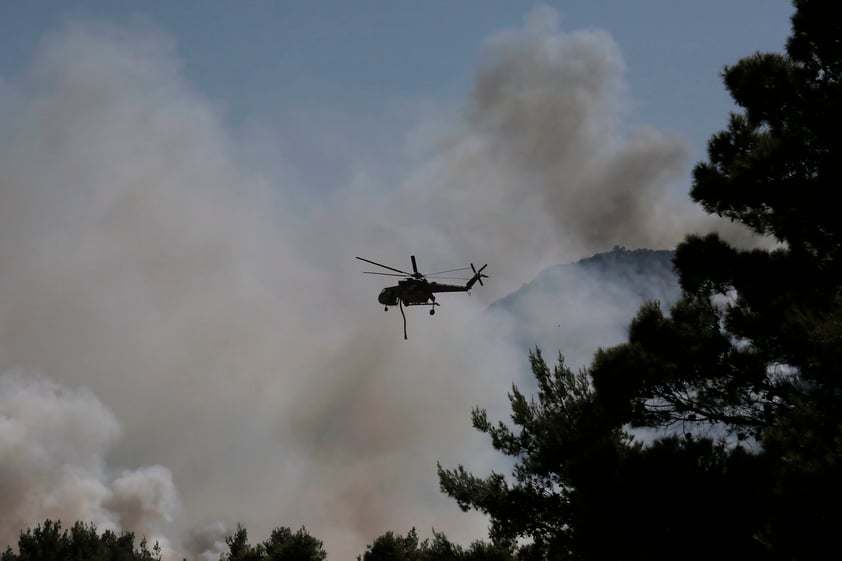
(737, 388)
(284, 545)
(48, 542)
(82, 542)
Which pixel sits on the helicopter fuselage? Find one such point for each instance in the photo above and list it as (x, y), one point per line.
(415, 292)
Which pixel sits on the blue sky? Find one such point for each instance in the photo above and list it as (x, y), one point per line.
(356, 66)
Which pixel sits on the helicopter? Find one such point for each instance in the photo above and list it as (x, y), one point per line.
(416, 290)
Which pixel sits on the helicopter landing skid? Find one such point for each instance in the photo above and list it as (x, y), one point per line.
(432, 305)
(401, 305)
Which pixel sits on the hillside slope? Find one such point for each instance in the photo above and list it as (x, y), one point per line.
(578, 307)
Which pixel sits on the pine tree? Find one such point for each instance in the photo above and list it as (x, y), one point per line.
(751, 355)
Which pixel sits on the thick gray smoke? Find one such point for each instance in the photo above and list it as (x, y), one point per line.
(53, 448)
(226, 327)
(545, 167)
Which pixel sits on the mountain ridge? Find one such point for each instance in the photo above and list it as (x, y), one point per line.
(581, 306)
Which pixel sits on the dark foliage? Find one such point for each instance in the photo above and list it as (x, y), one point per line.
(283, 545)
(82, 542)
(392, 547)
(750, 356)
(579, 478)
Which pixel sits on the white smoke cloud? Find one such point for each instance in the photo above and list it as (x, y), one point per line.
(54, 444)
(225, 323)
(141, 261)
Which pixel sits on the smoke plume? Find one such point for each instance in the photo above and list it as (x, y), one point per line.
(223, 328)
(544, 168)
(53, 448)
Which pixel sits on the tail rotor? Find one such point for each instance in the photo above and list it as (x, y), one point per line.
(478, 275)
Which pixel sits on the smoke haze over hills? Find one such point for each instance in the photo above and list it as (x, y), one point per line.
(600, 294)
(187, 345)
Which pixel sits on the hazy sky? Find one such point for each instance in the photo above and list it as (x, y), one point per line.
(352, 77)
(186, 341)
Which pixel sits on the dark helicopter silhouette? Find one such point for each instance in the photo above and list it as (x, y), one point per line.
(416, 290)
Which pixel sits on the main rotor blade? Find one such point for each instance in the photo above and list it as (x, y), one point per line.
(385, 267)
(448, 271)
(414, 266)
(384, 274)
(446, 278)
